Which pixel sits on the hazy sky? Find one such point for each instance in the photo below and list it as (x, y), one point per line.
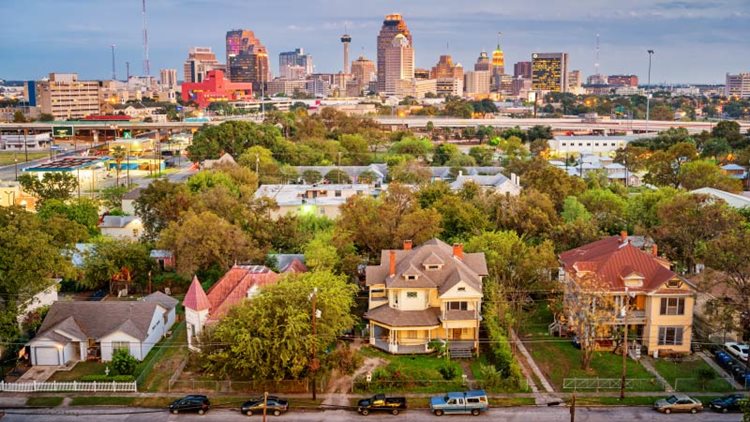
(695, 40)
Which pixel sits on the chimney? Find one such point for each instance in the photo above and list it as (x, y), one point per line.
(458, 250)
(654, 250)
(407, 245)
(623, 236)
(392, 264)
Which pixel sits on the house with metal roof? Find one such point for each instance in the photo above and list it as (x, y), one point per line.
(497, 183)
(424, 293)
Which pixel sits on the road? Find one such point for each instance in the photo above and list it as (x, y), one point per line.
(515, 414)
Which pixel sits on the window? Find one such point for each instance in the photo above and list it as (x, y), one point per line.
(337, 194)
(672, 306)
(411, 277)
(670, 336)
(412, 334)
(412, 295)
(433, 267)
(117, 345)
(458, 306)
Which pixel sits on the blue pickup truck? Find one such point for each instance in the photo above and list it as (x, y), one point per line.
(473, 402)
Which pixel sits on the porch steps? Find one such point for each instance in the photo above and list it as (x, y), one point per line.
(460, 353)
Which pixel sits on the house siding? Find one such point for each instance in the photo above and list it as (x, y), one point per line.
(656, 320)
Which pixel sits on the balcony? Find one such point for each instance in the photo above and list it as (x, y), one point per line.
(635, 316)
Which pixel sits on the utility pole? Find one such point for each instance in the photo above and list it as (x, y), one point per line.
(257, 163)
(114, 69)
(573, 408)
(648, 87)
(625, 345)
(265, 405)
(26, 144)
(314, 364)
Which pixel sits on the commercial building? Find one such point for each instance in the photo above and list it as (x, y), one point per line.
(549, 72)
(285, 86)
(200, 61)
(449, 76)
(596, 145)
(168, 78)
(498, 68)
(574, 80)
(216, 88)
(477, 83)
(483, 62)
(417, 88)
(393, 25)
(25, 142)
(398, 64)
(290, 63)
(251, 67)
(363, 72)
(623, 80)
(522, 70)
(738, 85)
(65, 97)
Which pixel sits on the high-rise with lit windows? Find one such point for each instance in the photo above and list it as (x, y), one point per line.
(393, 25)
(549, 72)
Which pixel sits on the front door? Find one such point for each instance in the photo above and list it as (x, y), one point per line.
(456, 334)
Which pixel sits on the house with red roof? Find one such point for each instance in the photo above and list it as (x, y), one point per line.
(205, 308)
(656, 303)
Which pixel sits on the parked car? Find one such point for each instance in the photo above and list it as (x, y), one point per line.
(193, 403)
(738, 349)
(730, 403)
(274, 406)
(473, 402)
(678, 403)
(381, 403)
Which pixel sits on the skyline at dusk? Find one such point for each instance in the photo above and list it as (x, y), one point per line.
(695, 41)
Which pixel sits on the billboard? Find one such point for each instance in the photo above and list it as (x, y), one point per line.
(62, 131)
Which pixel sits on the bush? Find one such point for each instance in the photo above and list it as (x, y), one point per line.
(439, 346)
(491, 377)
(107, 378)
(448, 372)
(123, 362)
(345, 359)
(501, 354)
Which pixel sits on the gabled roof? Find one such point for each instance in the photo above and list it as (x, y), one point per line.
(611, 259)
(195, 298)
(166, 301)
(117, 221)
(732, 199)
(95, 320)
(396, 318)
(233, 287)
(296, 266)
(470, 269)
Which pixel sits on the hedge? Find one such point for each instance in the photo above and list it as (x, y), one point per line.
(106, 378)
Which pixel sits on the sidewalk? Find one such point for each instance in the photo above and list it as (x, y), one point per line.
(719, 370)
(540, 398)
(646, 363)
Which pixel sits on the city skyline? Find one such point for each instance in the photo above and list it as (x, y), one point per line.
(695, 42)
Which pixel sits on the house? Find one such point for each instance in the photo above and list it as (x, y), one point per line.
(239, 283)
(225, 159)
(121, 227)
(42, 298)
(732, 199)
(84, 330)
(657, 303)
(318, 199)
(448, 173)
(128, 200)
(734, 170)
(497, 183)
(614, 172)
(417, 295)
(163, 258)
(289, 262)
(379, 172)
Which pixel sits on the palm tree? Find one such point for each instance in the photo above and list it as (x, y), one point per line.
(119, 154)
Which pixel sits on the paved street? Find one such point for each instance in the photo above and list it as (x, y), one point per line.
(516, 414)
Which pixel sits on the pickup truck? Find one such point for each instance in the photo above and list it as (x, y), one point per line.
(381, 403)
(473, 402)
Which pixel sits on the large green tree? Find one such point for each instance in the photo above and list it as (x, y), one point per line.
(233, 137)
(270, 336)
(159, 204)
(53, 185)
(80, 211)
(109, 257)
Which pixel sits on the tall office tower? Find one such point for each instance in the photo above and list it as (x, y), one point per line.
(363, 72)
(738, 85)
(247, 58)
(574, 79)
(522, 70)
(623, 80)
(398, 63)
(477, 83)
(446, 69)
(393, 25)
(498, 67)
(346, 39)
(200, 61)
(296, 58)
(483, 62)
(237, 41)
(549, 72)
(168, 78)
(65, 97)
(596, 79)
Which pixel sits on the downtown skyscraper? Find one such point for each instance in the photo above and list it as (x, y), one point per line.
(393, 25)
(247, 58)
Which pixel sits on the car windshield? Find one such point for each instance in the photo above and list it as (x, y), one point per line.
(672, 400)
(743, 348)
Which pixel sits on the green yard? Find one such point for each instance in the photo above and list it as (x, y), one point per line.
(81, 369)
(7, 158)
(415, 373)
(102, 401)
(686, 375)
(44, 401)
(163, 361)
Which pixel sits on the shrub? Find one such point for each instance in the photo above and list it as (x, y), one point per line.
(346, 359)
(438, 346)
(448, 372)
(501, 354)
(107, 378)
(491, 377)
(123, 362)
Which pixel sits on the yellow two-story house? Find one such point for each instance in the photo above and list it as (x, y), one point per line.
(419, 294)
(656, 303)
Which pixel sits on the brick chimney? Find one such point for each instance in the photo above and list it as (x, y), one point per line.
(392, 264)
(458, 250)
(407, 245)
(654, 250)
(623, 236)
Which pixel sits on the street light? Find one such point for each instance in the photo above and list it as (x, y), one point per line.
(648, 94)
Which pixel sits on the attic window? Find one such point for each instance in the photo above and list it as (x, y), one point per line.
(411, 277)
(674, 284)
(461, 289)
(432, 266)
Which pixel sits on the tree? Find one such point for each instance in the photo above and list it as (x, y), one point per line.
(18, 117)
(119, 154)
(261, 159)
(703, 173)
(53, 185)
(589, 311)
(607, 208)
(729, 130)
(687, 222)
(233, 137)
(484, 156)
(461, 219)
(662, 111)
(161, 203)
(664, 166)
(46, 117)
(123, 362)
(417, 148)
(202, 241)
(531, 214)
(410, 172)
(357, 150)
(574, 210)
(641, 210)
(109, 257)
(537, 174)
(84, 212)
(112, 198)
(320, 253)
(270, 336)
(337, 176)
(444, 153)
(539, 132)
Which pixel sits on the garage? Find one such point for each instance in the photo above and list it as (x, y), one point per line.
(45, 356)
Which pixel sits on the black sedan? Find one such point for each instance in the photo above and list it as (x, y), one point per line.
(196, 403)
(274, 406)
(726, 404)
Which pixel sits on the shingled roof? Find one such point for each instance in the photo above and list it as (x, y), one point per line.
(469, 268)
(613, 258)
(98, 319)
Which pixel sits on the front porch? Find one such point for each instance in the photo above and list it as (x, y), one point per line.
(460, 343)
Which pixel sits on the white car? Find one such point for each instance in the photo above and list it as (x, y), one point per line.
(738, 349)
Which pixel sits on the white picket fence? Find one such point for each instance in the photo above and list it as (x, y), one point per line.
(54, 386)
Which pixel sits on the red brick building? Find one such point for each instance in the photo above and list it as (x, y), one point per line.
(216, 87)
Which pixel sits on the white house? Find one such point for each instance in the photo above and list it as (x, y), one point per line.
(121, 227)
(81, 330)
(45, 297)
(497, 183)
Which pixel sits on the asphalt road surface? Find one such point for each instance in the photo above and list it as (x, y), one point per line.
(515, 414)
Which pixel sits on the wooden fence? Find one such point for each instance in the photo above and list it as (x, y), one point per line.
(54, 386)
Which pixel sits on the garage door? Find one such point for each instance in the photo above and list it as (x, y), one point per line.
(46, 355)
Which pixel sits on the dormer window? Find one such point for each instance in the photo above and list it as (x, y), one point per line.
(432, 267)
(461, 289)
(674, 284)
(410, 276)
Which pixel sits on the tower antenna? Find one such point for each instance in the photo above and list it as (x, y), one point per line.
(114, 69)
(596, 62)
(499, 34)
(146, 65)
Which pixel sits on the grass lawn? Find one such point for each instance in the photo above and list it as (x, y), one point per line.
(166, 357)
(683, 376)
(559, 359)
(81, 369)
(102, 401)
(6, 158)
(628, 401)
(44, 401)
(415, 373)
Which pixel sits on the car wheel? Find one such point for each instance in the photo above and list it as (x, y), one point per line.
(694, 410)
(475, 412)
(276, 412)
(438, 412)
(394, 412)
(174, 412)
(249, 413)
(201, 411)
(365, 412)
(667, 411)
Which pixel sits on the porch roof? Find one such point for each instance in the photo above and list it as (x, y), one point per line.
(396, 318)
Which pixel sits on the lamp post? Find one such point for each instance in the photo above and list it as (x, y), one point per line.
(648, 94)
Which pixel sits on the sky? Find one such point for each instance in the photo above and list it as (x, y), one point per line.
(695, 41)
